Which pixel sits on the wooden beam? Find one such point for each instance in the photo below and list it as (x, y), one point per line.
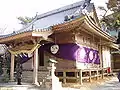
(15, 37)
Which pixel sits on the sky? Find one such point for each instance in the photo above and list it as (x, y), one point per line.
(11, 9)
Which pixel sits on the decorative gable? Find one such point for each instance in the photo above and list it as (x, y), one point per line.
(93, 16)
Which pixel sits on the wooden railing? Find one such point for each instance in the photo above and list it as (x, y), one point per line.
(79, 75)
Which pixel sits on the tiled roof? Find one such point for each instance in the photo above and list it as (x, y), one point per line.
(55, 17)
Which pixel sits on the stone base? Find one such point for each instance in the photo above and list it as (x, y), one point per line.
(27, 76)
(48, 83)
(36, 83)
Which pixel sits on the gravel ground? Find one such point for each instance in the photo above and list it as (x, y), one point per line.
(110, 83)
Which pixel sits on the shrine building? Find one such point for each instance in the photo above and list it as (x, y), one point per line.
(71, 35)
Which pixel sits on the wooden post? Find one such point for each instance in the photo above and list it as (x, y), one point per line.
(32, 62)
(102, 73)
(89, 75)
(80, 76)
(101, 56)
(76, 76)
(12, 68)
(97, 75)
(35, 69)
(112, 62)
(64, 77)
(101, 59)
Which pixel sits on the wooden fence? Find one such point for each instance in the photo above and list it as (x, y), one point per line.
(79, 75)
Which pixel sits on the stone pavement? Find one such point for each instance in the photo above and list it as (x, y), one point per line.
(110, 84)
(14, 86)
(113, 84)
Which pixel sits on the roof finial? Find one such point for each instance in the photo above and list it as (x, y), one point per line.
(86, 3)
(84, 6)
(36, 14)
(82, 10)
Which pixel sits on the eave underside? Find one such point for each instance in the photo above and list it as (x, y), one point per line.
(86, 23)
(25, 42)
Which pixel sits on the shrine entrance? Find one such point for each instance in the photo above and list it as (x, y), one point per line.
(26, 43)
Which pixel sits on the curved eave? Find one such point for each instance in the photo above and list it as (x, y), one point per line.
(86, 23)
(116, 52)
(115, 46)
(97, 30)
(68, 26)
(36, 33)
(4, 40)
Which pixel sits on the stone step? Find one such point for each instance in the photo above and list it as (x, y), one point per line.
(27, 76)
(24, 86)
(47, 83)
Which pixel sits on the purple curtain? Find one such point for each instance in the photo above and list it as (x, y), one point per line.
(25, 58)
(71, 51)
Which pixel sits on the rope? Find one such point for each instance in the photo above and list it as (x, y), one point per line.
(24, 51)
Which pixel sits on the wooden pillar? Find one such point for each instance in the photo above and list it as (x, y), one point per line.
(102, 73)
(32, 62)
(97, 73)
(112, 61)
(35, 69)
(76, 76)
(80, 76)
(64, 77)
(107, 72)
(89, 75)
(101, 59)
(12, 68)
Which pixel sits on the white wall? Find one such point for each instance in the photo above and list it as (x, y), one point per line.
(106, 57)
(80, 65)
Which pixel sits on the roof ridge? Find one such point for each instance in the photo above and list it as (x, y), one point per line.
(64, 8)
(31, 26)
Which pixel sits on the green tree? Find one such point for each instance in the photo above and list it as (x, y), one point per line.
(112, 21)
(114, 5)
(25, 20)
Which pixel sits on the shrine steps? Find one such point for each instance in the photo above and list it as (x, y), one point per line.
(27, 76)
(24, 86)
